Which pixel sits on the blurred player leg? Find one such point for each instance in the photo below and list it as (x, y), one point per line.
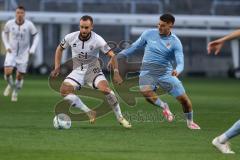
(177, 90)
(153, 98)
(187, 109)
(67, 90)
(147, 87)
(8, 77)
(18, 86)
(221, 142)
(102, 85)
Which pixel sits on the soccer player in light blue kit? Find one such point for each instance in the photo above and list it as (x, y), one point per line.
(162, 62)
(221, 142)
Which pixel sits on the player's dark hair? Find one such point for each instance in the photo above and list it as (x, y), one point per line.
(87, 17)
(20, 7)
(167, 17)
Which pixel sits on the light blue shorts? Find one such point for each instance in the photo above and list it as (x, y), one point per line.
(169, 84)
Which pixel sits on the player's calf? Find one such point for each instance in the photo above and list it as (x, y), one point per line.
(152, 97)
(187, 109)
(10, 85)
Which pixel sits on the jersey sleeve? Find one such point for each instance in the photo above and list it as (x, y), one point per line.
(33, 29)
(102, 44)
(138, 44)
(65, 42)
(6, 27)
(179, 57)
(5, 34)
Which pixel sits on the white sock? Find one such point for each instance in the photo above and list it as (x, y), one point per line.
(113, 102)
(159, 103)
(9, 80)
(76, 102)
(223, 138)
(18, 85)
(117, 111)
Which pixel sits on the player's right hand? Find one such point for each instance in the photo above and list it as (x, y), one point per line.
(55, 73)
(215, 46)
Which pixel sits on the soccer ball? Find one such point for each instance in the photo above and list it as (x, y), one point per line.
(62, 121)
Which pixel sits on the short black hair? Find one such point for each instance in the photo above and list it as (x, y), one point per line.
(20, 7)
(167, 17)
(87, 17)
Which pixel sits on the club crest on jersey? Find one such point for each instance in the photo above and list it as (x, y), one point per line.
(168, 45)
(74, 45)
(91, 47)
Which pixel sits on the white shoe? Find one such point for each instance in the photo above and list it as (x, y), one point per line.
(7, 90)
(222, 147)
(124, 123)
(14, 97)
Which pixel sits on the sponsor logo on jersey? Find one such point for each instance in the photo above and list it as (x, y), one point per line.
(168, 45)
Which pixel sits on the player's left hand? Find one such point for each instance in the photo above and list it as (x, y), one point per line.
(175, 73)
(117, 78)
(55, 73)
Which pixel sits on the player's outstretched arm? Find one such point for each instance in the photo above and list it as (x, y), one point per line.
(58, 57)
(114, 64)
(216, 46)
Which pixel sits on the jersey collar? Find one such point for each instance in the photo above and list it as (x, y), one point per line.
(164, 36)
(84, 39)
(18, 23)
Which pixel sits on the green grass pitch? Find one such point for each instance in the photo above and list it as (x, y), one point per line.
(26, 130)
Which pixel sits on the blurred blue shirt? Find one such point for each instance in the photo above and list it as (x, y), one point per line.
(162, 54)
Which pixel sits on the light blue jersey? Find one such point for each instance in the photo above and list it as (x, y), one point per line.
(163, 51)
(162, 54)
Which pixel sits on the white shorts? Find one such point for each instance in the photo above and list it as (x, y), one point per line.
(10, 61)
(79, 78)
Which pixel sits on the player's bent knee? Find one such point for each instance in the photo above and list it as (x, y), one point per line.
(106, 90)
(8, 71)
(103, 87)
(19, 76)
(66, 88)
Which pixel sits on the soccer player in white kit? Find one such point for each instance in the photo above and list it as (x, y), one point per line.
(16, 37)
(85, 45)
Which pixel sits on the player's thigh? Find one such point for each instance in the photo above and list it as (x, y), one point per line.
(21, 69)
(8, 70)
(19, 75)
(74, 81)
(100, 82)
(147, 83)
(9, 63)
(171, 85)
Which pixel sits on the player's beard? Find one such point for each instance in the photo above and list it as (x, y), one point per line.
(20, 21)
(84, 36)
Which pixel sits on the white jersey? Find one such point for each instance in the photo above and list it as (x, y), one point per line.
(85, 53)
(17, 38)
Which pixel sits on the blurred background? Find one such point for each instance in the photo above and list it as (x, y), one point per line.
(122, 21)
